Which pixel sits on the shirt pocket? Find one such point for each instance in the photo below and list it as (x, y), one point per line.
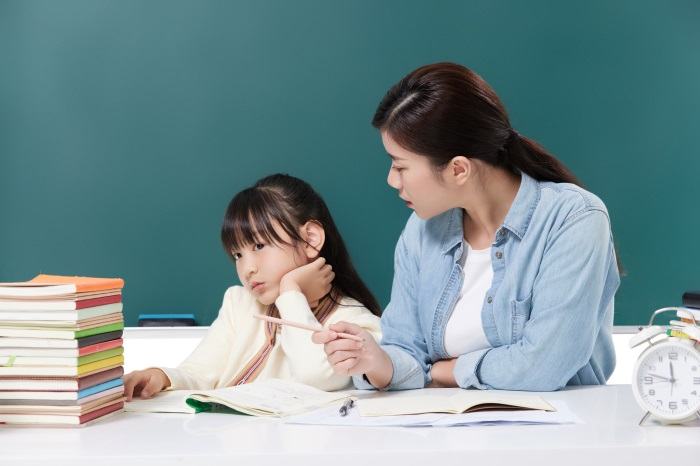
(520, 315)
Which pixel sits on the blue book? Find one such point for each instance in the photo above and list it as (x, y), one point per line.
(100, 387)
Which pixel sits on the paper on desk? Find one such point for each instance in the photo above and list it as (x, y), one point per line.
(331, 417)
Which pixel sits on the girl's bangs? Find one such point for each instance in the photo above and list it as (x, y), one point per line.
(249, 221)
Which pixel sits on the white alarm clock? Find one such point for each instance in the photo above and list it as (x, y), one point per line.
(666, 377)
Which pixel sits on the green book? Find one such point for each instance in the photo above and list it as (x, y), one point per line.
(59, 333)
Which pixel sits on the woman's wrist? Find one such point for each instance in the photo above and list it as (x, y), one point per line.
(381, 372)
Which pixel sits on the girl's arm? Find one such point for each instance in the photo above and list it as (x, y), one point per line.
(204, 367)
(307, 361)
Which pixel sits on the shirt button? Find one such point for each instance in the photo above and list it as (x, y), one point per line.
(490, 300)
(502, 232)
(499, 255)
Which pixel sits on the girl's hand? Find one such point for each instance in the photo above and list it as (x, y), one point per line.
(349, 357)
(145, 383)
(442, 374)
(313, 280)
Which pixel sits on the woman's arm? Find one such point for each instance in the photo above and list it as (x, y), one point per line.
(571, 298)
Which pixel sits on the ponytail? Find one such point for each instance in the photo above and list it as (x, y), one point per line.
(522, 154)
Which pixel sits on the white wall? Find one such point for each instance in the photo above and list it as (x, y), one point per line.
(168, 346)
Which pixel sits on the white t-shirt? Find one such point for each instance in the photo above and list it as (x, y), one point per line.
(464, 332)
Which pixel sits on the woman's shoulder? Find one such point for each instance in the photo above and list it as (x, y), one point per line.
(569, 198)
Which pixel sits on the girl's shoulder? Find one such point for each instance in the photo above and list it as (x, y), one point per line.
(238, 297)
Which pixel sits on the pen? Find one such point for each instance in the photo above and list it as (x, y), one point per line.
(303, 326)
(346, 407)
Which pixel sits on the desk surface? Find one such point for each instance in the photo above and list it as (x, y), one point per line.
(609, 434)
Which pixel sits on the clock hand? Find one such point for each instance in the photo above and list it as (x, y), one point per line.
(664, 378)
(671, 366)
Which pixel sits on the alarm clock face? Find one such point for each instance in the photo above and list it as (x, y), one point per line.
(667, 380)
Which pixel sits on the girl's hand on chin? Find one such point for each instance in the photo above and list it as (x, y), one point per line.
(313, 280)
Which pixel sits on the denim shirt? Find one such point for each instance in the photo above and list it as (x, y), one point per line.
(548, 314)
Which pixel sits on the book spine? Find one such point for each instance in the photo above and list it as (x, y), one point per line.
(678, 334)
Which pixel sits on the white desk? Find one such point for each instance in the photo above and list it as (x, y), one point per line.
(610, 435)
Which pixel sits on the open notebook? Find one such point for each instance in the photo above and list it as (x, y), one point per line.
(270, 397)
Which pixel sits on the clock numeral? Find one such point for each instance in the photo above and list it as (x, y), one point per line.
(696, 380)
(660, 402)
(684, 401)
(648, 380)
(652, 392)
(694, 368)
(694, 393)
(661, 359)
(672, 405)
(673, 356)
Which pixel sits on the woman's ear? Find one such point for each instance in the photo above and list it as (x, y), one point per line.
(315, 236)
(460, 169)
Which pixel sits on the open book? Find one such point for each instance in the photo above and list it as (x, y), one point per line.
(269, 397)
(464, 401)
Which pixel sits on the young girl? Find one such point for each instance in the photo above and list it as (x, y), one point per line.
(505, 275)
(293, 264)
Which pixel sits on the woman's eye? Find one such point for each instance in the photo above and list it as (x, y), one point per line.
(236, 256)
(398, 169)
(258, 247)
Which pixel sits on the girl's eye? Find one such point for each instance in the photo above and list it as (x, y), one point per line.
(236, 255)
(258, 247)
(398, 169)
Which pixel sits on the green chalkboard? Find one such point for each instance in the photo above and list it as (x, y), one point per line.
(127, 126)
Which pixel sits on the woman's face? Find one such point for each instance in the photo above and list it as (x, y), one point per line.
(416, 181)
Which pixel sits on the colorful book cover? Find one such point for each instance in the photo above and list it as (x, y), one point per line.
(19, 361)
(77, 315)
(58, 285)
(60, 371)
(81, 302)
(66, 384)
(67, 334)
(58, 342)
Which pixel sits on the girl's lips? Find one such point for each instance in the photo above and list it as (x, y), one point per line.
(256, 286)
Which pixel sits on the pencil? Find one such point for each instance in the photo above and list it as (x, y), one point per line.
(304, 326)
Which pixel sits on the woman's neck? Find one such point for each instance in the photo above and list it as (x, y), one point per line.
(487, 204)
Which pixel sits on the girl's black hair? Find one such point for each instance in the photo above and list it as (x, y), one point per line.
(289, 202)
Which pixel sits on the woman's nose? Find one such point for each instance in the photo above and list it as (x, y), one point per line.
(393, 179)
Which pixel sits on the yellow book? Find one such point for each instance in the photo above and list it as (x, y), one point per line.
(60, 371)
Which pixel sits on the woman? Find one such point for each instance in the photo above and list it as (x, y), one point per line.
(505, 274)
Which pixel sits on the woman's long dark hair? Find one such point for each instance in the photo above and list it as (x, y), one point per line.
(289, 202)
(445, 110)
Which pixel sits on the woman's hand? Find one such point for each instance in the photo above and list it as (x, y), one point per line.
(313, 280)
(349, 357)
(145, 383)
(442, 374)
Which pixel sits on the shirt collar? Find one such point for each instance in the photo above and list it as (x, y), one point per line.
(520, 213)
(517, 220)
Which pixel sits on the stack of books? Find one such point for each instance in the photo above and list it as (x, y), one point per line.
(691, 307)
(61, 350)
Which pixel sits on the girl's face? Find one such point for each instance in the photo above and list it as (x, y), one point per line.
(416, 181)
(261, 266)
